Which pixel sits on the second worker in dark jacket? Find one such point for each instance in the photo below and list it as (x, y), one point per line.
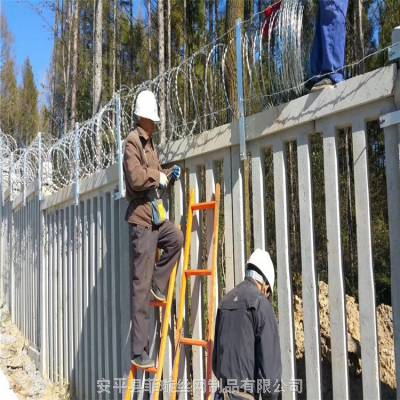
(246, 356)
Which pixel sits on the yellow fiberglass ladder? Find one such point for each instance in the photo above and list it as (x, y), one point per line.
(165, 306)
(187, 273)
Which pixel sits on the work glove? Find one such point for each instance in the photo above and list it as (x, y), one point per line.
(176, 172)
(163, 180)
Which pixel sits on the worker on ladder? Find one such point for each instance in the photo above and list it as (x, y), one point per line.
(246, 356)
(150, 229)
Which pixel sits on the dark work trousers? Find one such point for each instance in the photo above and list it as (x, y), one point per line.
(146, 272)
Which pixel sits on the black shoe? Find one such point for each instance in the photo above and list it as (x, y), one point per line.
(143, 361)
(157, 294)
(323, 84)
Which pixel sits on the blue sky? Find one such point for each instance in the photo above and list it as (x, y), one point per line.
(31, 22)
(33, 38)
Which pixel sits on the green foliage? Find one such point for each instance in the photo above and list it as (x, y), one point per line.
(28, 105)
(9, 98)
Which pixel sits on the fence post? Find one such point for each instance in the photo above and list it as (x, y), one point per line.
(76, 162)
(391, 127)
(121, 185)
(240, 90)
(10, 173)
(40, 167)
(23, 179)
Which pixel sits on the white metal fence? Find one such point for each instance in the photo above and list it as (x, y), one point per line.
(65, 268)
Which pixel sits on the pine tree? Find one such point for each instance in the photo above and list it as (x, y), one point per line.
(6, 41)
(8, 82)
(8, 99)
(28, 106)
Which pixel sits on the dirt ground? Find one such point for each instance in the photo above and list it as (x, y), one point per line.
(24, 378)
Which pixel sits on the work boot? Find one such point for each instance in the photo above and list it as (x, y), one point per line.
(143, 361)
(322, 84)
(157, 294)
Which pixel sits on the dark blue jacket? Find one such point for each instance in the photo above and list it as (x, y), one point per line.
(246, 347)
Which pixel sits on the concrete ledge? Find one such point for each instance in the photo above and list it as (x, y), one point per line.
(102, 178)
(356, 92)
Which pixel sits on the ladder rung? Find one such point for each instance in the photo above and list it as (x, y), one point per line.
(203, 206)
(194, 342)
(151, 370)
(198, 272)
(156, 303)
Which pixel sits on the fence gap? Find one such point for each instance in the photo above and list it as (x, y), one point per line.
(321, 256)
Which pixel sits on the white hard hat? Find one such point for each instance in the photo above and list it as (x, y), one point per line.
(262, 261)
(146, 106)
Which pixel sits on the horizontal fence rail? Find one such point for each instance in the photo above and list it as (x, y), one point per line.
(65, 266)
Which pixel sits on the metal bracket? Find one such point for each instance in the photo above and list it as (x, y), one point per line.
(240, 89)
(121, 184)
(389, 119)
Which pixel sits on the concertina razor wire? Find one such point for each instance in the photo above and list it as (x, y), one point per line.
(275, 56)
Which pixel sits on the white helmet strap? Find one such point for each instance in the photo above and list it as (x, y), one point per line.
(251, 273)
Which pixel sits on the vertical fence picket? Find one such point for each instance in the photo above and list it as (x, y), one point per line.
(309, 278)
(238, 227)
(285, 303)
(51, 294)
(228, 222)
(106, 288)
(86, 299)
(60, 295)
(257, 177)
(43, 293)
(65, 293)
(99, 290)
(79, 298)
(124, 291)
(366, 284)
(337, 308)
(71, 294)
(179, 218)
(93, 297)
(195, 286)
(392, 154)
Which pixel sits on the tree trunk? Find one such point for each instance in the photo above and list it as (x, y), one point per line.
(97, 55)
(132, 49)
(234, 10)
(360, 34)
(149, 38)
(161, 70)
(55, 69)
(185, 113)
(169, 32)
(74, 62)
(67, 65)
(114, 47)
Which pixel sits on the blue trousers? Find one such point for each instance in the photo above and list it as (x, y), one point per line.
(328, 50)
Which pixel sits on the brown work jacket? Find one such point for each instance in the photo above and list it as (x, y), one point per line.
(142, 174)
